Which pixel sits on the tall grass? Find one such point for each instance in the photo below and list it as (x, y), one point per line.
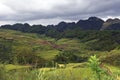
(21, 74)
(2, 72)
(68, 73)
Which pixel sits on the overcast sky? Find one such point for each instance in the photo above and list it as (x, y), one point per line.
(53, 11)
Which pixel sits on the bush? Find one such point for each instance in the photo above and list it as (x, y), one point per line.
(112, 59)
(68, 56)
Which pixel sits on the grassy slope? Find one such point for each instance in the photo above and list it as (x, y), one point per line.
(48, 47)
(48, 51)
(45, 46)
(12, 67)
(30, 41)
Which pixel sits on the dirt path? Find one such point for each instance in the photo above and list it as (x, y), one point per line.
(53, 45)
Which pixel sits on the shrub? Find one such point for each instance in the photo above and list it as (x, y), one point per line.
(99, 70)
(68, 56)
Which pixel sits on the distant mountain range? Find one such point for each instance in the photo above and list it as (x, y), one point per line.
(92, 23)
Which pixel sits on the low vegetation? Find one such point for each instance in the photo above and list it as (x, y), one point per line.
(92, 70)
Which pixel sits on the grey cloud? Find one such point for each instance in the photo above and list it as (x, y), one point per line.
(26, 10)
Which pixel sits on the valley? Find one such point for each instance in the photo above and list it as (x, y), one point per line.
(40, 56)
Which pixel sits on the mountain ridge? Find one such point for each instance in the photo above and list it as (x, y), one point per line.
(92, 23)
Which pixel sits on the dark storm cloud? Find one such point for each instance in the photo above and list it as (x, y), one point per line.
(29, 10)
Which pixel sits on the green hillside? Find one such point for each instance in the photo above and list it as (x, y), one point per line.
(17, 44)
(27, 48)
(34, 56)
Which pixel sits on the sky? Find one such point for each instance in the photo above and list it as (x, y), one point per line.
(54, 11)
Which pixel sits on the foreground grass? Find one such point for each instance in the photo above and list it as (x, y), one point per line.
(78, 71)
(73, 71)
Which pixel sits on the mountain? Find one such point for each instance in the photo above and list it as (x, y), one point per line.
(62, 26)
(93, 23)
(111, 24)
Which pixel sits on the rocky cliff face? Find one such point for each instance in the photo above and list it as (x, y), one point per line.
(111, 24)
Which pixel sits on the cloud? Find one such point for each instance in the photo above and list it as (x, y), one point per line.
(5, 10)
(35, 10)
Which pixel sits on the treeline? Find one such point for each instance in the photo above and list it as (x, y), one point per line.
(26, 28)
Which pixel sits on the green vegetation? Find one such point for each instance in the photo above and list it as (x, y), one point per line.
(30, 56)
(100, 72)
(73, 71)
